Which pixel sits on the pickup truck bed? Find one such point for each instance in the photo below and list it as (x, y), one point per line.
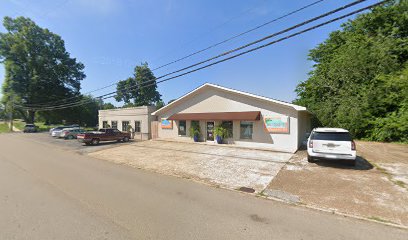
(104, 134)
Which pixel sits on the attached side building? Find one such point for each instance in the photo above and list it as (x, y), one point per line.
(139, 118)
(253, 121)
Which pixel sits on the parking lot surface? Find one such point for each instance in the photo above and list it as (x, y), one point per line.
(228, 167)
(70, 145)
(367, 190)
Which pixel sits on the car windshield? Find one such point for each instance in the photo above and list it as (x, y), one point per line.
(331, 136)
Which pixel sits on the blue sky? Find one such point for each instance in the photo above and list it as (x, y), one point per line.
(112, 36)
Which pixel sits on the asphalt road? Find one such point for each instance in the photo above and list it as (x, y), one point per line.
(50, 192)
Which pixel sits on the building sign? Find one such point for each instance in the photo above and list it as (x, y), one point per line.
(166, 124)
(277, 124)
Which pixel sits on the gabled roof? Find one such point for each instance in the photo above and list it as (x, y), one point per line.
(209, 85)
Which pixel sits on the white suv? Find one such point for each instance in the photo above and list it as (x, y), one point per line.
(331, 143)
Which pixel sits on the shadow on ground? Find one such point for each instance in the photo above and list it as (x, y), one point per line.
(107, 143)
(361, 164)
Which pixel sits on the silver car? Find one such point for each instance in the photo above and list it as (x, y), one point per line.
(71, 133)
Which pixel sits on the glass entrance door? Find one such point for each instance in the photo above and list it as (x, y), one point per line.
(210, 131)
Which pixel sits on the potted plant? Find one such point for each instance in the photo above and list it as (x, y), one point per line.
(220, 133)
(195, 132)
(130, 130)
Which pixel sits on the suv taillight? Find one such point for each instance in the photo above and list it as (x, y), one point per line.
(353, 145)
(311, 144)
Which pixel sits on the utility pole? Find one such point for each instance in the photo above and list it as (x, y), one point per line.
(11, 108)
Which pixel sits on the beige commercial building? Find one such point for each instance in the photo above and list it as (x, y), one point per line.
(253, 121)
(139, 118)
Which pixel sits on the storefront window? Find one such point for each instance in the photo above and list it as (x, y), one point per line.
(229, 126)
(246, 130)
(137, 126)
(182, 128)
(115, 124)
(125, 125)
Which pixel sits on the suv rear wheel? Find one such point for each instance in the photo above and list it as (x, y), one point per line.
(126, 139)
(310, 159)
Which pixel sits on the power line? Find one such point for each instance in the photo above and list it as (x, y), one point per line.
(192, 54)
(211, 30)
(222, 60)
(252, 43)
(228, 58)
(259, 40)
(239, 35)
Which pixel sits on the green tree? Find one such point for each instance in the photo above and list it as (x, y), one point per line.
(86, 114)
(128, 90)
(38, 69)
(107, 106)
(172, 100)
(160, 104)
(2, 112)
(352, 84)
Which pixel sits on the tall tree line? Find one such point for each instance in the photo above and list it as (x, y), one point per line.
(360, 77)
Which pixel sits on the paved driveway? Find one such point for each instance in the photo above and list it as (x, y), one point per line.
(69, 145)
(217, 165)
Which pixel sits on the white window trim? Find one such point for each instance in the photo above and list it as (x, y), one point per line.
(140, 125)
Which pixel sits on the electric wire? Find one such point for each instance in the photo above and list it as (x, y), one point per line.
(189, 55)
(152, 82)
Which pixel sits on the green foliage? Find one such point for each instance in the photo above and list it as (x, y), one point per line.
(85, 115)
(3, 114)
(38, 69)
(222, 131)
(195, 129)
(159, 104)
(141, 96)
(170, 101)
(107, 106)
(4, 127)
(19, 124)
(359, 78)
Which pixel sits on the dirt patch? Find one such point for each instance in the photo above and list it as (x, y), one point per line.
(220, 166)
(364, 190)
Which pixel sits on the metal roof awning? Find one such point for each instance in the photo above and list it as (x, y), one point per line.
(246, 116)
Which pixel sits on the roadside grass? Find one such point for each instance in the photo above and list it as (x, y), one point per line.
(378, 219)
(42, 127)
(4, 128)
(19, 124)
